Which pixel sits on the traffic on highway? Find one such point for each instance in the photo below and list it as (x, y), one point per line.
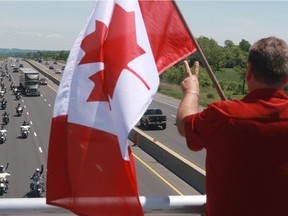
(26, 137)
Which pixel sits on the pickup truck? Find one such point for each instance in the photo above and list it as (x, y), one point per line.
(153, 118)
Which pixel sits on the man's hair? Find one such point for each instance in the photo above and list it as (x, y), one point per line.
(268, 58)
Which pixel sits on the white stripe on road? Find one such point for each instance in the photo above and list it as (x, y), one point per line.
(40, 149)
(35, 134)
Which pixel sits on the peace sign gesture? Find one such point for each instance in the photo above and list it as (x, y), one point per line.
(191, 84)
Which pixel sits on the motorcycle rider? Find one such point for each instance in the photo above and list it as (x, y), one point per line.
(37, 175)
(18, 107)
(18, 95)
(3, 131)
(3, 103)
(3, 177)
(25, 127)
(25, 123)
(5, 113)
(5, 118)
(2, 169)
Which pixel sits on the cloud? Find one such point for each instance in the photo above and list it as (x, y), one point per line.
(55, 36)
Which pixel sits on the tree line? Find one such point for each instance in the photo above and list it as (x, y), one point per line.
(230, 56)
(219, 58)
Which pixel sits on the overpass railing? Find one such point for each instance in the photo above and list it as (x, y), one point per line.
(172, 204)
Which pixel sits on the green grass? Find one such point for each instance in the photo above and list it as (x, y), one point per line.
(228, 75)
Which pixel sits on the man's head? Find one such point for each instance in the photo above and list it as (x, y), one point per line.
(268, 61)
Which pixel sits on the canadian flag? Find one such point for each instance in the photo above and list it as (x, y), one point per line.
(110, 78)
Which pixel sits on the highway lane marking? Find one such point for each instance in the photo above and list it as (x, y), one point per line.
(52, 88)
(166, 103)
(157, 174)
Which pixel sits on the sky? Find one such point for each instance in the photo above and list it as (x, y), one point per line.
(55, 24)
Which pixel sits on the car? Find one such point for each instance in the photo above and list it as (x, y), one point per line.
(57, 71)
(153, 117)
(51, 67)
(43, 81)
(21, 65)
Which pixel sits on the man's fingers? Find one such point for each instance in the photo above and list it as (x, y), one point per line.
(187, 69)
(196, 68)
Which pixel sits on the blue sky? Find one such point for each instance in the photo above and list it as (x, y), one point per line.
(54, 25)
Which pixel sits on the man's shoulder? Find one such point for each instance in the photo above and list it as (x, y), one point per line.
(228, 107)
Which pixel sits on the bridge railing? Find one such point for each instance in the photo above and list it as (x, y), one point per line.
(171, 204)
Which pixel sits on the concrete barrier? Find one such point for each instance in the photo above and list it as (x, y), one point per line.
(45, 71)
(184, 169)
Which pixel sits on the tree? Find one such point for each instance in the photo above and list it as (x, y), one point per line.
(244, 45)
(228, 44)
(213, 53)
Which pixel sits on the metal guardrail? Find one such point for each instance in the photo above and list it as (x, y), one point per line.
(172, 204)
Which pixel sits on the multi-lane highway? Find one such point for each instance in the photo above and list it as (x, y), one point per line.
(25, 155)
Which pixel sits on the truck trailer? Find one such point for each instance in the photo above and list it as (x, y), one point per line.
(29, 81)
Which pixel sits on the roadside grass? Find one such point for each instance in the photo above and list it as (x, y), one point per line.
(226, 74)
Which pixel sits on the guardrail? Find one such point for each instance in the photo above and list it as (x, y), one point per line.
(170, 204)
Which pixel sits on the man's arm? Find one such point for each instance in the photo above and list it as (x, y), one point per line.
(42, 168)
(190, 99)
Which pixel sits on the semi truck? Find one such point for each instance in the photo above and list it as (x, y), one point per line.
(29, 81)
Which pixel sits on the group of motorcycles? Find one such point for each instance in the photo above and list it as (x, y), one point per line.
(37, 185)
(24, 128)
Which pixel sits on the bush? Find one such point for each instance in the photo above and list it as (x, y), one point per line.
(211, 95)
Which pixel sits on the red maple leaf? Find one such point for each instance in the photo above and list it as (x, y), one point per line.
(116, 51)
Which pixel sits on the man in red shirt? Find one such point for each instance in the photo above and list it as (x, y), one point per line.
(246, 140)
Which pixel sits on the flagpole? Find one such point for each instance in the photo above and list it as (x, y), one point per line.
(203, 58)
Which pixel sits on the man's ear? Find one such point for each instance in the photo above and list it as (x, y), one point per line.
(248, 72)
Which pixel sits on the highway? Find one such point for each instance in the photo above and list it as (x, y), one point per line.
(25, 155)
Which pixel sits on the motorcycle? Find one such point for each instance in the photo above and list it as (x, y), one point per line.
(4, 183)
(5, 119)
(18, 96)
(2, 92)
(15, 90)
(37, 186)
(12, 86)
(3, 135)
(3, 104)
(25, 130)
(19, 110)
